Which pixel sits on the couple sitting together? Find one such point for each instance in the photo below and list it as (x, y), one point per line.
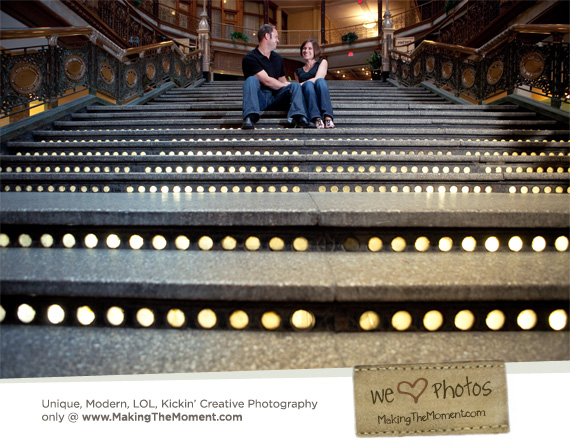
(265, 84)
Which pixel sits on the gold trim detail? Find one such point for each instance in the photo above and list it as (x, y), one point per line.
(417, 68)
(107, 73)
(468, 78)
(131, 78)
(430, 64)
(531, 66)
(447, 70)
(25, 78)
(495, 73)
(166, 65)
(150, 71)
(74, 67)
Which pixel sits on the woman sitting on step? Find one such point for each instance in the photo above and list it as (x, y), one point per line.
(315, 89)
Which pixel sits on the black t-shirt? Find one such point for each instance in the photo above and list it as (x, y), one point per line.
(254, 62)
(305, 76)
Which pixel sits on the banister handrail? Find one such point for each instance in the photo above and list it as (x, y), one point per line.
(149, 47)
(96, 66)
(120, 53)
(30, 33)
(523, 29)
(541, 28)
(483, 50)
(430, 43)
(501, 65)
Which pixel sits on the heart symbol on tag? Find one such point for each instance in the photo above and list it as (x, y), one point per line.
(414, 394)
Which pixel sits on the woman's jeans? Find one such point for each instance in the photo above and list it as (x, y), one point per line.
(317, 99)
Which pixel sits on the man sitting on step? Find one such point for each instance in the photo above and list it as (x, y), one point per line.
(265, 83)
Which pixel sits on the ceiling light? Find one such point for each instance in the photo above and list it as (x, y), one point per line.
(369, 25)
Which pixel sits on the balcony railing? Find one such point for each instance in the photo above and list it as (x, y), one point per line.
(503, 64)
(297, 37)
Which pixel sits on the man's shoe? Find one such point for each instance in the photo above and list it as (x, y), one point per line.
(247, 123)
(302, 122)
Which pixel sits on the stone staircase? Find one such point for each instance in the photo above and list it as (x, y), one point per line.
(414, 216)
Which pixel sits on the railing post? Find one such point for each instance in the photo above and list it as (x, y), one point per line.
(94, 68)
(387, 42)
(204, 41)
(323, 19)
(558, 84)
(52, 75)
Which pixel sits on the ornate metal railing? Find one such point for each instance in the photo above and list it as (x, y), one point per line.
(472, 19)
(418, 14)
(178, 18)
(120, 17)
(503, 64)
(46, 73)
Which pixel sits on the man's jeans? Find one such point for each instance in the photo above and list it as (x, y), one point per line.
(256, 99)
(317, 99)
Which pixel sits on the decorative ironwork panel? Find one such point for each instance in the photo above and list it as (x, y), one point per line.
(497, 74)
(417, 70)
(25, 78)
(477, 16)
(107, 69)
(545, 67)
(164, 65)
(470, 80)
(73, 68)
(117, 16)
(130, 80)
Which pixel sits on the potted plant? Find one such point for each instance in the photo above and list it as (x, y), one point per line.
(349, 38)
(375, 64)
(449, 5)
(235, 36)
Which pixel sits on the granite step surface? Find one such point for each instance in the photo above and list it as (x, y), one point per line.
(171, 205)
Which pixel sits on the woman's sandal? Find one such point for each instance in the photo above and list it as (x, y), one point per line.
(319, 123)
(329, 123)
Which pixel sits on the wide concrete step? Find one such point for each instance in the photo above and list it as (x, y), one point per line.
(72, 133)
(270, 277)
(303, 142)
(344, 105)
(236, 122)
(452, 114)
(333, 255)
(394, 213)
(355, 101)
(326, 163)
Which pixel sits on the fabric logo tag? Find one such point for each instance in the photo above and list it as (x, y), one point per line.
(430, 399)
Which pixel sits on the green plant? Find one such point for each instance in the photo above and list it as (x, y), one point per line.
(374, 61)
(235, 36)
(137, 3)
(449, 5)
(349, 38)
